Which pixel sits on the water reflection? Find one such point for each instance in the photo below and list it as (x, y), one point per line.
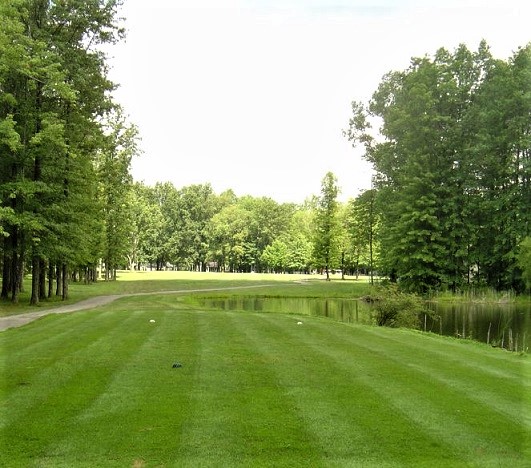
(504, 325)
(343, 310)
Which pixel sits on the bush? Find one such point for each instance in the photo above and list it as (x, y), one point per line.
(394, 308)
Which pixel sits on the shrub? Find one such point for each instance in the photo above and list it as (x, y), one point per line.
(394, 308)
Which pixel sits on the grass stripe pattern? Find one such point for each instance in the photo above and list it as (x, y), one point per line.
(98, 388)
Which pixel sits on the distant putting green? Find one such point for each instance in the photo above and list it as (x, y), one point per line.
(98, 388)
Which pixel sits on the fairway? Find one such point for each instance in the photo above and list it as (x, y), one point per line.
(98, 388)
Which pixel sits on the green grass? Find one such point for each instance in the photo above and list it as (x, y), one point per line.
(97, 388)
(156, 281)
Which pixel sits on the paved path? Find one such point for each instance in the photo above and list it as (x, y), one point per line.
(13, 321)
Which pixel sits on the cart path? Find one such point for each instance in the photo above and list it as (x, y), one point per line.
(19, 320)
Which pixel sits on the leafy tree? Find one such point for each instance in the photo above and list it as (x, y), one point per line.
(197, 205)
(229, 231)
(361, 223)
(452, 167)
(53, 92)
(275, 256)
(327, 225)
(113, 166)
(291, 250)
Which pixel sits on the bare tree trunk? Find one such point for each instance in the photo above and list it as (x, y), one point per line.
(58, 273)
(7, 273)
(35, 279)
(17, 277)
(50, 279)
(65, 282)
(42, 279)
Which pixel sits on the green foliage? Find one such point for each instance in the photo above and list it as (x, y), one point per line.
(395, 308)
(55, 96)
(361, 221)
(524, 261)
(453, 168)
(327, 225)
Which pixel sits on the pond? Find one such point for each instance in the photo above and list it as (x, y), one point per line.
(503, 325)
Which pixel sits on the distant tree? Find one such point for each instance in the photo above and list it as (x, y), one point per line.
(361, 225)
(326, 227)
(113, 166)
(229, 234)
(275, 256)
(300, 239)
(195, 207)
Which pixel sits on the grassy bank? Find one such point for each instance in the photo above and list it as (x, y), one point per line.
(98, 388)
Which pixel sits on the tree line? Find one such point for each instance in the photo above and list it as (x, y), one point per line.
(65, 146)
(193, 228)
(452, 155)
(449, 139)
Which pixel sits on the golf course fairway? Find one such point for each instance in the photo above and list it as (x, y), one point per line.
(101, 388)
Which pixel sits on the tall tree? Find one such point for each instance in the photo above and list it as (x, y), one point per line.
(326, 224)
(452, 167)
(361, 224)
(54, 91)
(115, 181)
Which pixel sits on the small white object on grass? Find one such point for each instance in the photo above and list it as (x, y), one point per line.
(299, 323)
(152, 321)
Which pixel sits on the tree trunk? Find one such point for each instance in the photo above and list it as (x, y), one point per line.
(50, 279)
(343, 265)
(35, 279)
(58, 273)
(42, 280)
(7, 274)
(16, 281)
(17, 263)
(65, 282)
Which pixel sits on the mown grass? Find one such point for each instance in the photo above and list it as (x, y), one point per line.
(157, 281)
(97, 388)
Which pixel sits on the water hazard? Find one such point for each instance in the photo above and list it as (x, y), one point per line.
(503, 325)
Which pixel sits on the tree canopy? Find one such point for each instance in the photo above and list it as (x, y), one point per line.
(56, 125)
(452, 160)
(449, 139)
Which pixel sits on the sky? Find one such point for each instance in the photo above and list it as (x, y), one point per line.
(253, 95)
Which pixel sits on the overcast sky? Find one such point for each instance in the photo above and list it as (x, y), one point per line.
(253, 95)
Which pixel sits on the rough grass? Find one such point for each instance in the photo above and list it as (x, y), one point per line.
(97, 388)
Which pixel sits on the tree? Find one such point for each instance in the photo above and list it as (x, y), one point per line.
(115, 181)
(452, 167)
(54, 91)
(229, 232)
(326, 225)
(196, 207)
(291, 249)
(361, 224)
(275, 256)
